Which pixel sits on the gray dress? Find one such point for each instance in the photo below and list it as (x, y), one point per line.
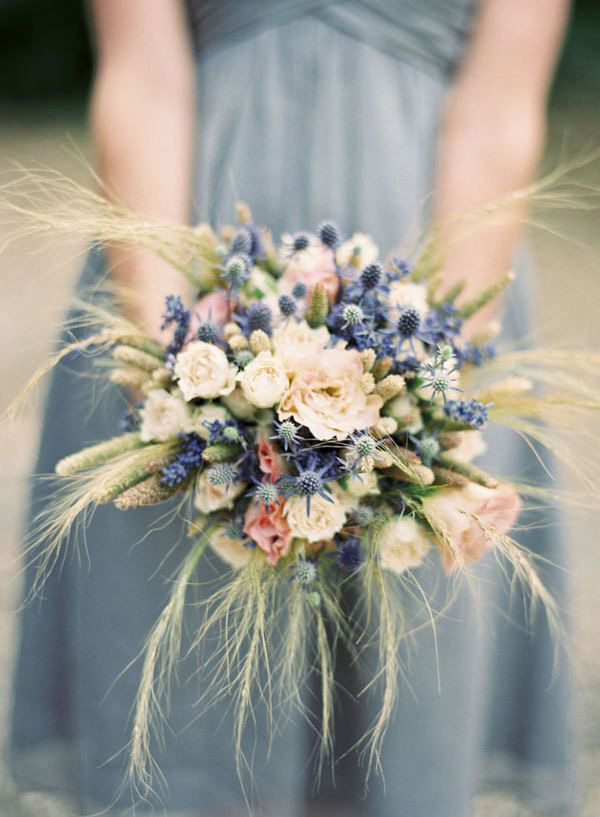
(307, 110)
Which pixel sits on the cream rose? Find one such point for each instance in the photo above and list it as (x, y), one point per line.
(203, 370)
(407, 293)
(264, 380)
(230, 549)
(326, 394)
(292, 339)
(210, 498)
(451, 513)
(368, 252)
(402, 544)
(163, 415)
(325, 518)
(209, 413)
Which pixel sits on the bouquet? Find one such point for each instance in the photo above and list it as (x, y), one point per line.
(314, 417)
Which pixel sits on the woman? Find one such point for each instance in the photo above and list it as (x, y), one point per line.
(307, 110)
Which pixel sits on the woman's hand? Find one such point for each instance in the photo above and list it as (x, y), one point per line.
(142, 116)
(492, 135)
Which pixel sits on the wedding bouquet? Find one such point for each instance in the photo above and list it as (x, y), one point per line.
(316, 413)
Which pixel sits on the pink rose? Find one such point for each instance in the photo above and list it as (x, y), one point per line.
(269, 460)
(315, 265)
(269, 529)
(213, 307)
(451, 512)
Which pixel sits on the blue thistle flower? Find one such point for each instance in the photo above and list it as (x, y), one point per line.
(300, 242)
(129, 421)
(353, 315)
(305, 571)
(408, 322)
(311, 482)
(242, 358)
(299, 290)
(287, 305)
(363, 515)
(329, 234)
(401, 268)
(223, 473)
(286, 434)
(371, 276)
(349, 554)
(267, 493)
(237, 271)
(242, 242)
(428, 448)
(258, 316)
(207, 332)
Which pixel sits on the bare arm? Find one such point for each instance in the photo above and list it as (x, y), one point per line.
(493, 130)
(142, 119)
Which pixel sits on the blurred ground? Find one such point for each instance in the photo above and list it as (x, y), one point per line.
(35, 289)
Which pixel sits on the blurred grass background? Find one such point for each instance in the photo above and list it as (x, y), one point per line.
(45, 73)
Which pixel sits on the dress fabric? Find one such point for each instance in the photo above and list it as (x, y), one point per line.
(307, 111)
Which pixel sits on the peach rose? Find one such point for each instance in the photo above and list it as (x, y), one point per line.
(269, 529)
(315, 265)
(326, 394)
(451, 512)
(269, 461)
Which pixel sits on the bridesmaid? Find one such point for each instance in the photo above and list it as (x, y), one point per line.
(382, 114)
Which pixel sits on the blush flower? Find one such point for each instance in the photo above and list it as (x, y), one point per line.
(230, 549)
(325, 518)
(269, 529)
(326, 394)
(314, 265)
(213, 307)
(269, 461)
(452, 513)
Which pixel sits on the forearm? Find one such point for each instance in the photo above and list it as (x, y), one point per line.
(492, 135)
(143, 120)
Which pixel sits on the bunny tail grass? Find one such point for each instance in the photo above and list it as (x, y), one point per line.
(75, 498)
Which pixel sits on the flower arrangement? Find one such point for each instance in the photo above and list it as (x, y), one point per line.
(317, 414)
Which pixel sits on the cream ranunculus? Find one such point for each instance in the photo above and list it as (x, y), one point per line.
(163, 415)
(206, 414)
(203, 370)
(325, 518)
(359, 485)
(326, 394)
(407, 293)
(264, 380)
(210, 498)
(471, 445)
(402, 543)
(368, 252)
(229, 548)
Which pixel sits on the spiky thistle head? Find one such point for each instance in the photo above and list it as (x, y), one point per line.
(224, 473)
(242, 358)
(306, 571)
(353, 314)
(363, 515)
(237, 270)
(207, 332)
(309, 483)
(287, 305)
(349, 554)
(371, 276)
(259, 317)
(299, 290)
(328, 233)
(242, 241)
(428, 448)
(409, 322)
(300, 242)
(267, 493)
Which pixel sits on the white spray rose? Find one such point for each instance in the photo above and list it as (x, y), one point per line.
(402, 544)
(211, 497)
(163, 416)
(203, 370)
(367, 248)
(264, 380)
(407, 293)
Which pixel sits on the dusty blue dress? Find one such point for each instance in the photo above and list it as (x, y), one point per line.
(307, 110)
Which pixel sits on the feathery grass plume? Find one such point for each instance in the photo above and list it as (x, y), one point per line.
(149, 491)
(135, 469)
(98, 454)
(75, 498)
(130, 377)
(471, 472)
(486, 296)
(161, 654)
(220, 452)
(136, 357)
(39, 200)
